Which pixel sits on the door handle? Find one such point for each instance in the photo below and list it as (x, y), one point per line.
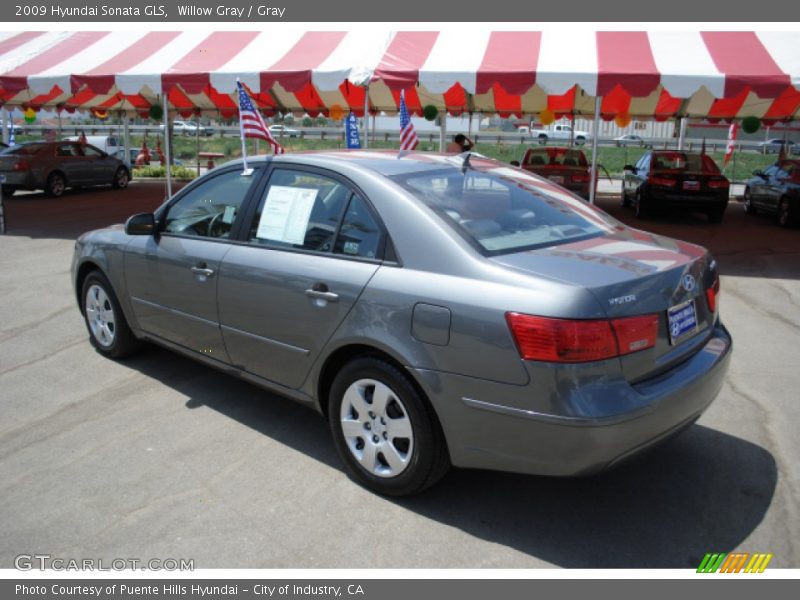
(320, 291)
(322, 295)
(201, 270)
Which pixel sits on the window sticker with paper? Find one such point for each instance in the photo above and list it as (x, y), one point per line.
(286, 213)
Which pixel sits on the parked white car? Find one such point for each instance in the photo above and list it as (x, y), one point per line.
(189, 128)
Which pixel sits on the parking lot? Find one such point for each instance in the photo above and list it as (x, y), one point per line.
(161, 457)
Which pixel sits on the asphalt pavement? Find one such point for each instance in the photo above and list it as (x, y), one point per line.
(160, 457)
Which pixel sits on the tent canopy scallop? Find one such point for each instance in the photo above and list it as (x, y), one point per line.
(719, 75)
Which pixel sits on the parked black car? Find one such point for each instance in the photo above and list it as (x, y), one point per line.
(775, 190)
(676, 180)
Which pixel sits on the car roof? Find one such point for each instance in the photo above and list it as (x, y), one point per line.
(384, 162)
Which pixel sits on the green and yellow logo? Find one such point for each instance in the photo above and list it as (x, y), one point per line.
(734, 562)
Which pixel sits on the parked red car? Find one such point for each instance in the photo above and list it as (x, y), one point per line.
(567, 167)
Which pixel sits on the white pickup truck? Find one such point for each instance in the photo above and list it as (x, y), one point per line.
(558, 132)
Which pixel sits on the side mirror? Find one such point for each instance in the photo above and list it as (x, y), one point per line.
(514, 163)
(141, 224)
(630, 168)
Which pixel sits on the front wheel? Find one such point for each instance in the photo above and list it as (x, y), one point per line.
(56, 185)
(542, 139)
(384, 431)
(121, 178)
(580, 141)
(109, 332)
(785, 216)
(747, 204)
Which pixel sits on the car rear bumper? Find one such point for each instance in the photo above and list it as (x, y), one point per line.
(21, 179)
(686, 201)
(591, 425)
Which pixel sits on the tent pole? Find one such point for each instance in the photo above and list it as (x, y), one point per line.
(168, 158)
(682, 134)
(366, 117)
(6, 121)
(60, 133)
(126, 134)
(442, 132)
(595, 133)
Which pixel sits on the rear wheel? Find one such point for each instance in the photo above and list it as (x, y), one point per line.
(785, 216)
(580, 140)
(384, 430)
(56, 185)
(121, 178)
(542, 139)
(109, 332)
(747, 203)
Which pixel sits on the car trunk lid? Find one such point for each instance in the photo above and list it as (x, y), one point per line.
(636, 273)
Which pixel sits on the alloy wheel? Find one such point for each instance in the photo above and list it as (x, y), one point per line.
(376, 428)
(100, 316)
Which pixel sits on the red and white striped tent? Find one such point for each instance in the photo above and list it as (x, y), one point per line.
(718, 75)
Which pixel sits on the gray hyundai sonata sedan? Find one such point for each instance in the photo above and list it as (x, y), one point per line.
(435, 310)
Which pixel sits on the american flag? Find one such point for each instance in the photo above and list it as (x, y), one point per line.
(408, 137)
(251, 123)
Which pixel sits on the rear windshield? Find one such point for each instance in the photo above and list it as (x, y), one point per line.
(504, 210)
(682, 161)
(556, 156)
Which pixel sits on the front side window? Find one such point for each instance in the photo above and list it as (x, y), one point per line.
(210, 208)
(505, 210)
(299, 210)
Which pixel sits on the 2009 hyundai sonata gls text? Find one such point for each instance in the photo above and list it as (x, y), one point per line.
(437, 310)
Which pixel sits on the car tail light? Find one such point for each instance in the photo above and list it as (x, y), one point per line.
(573, 341)
(662, 181)
(712, 293)
(20, 165)
(636, 333)
(716, 184)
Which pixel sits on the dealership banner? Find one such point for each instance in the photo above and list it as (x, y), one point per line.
(275, 11)
(703, 586)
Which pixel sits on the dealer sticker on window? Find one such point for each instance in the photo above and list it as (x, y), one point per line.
(682, 320)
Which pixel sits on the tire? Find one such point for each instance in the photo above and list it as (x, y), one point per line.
(414, 458)
(121, 178)
(639, 207)
(580, 140)
(785, 216)
(542, 139)
(747, 203)
(109, 332)
(8, 191)
(56, 185)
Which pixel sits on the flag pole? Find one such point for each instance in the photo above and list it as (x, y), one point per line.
(241, 131)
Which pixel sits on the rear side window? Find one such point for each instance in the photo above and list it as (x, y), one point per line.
(504, 210)
(359, 235)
